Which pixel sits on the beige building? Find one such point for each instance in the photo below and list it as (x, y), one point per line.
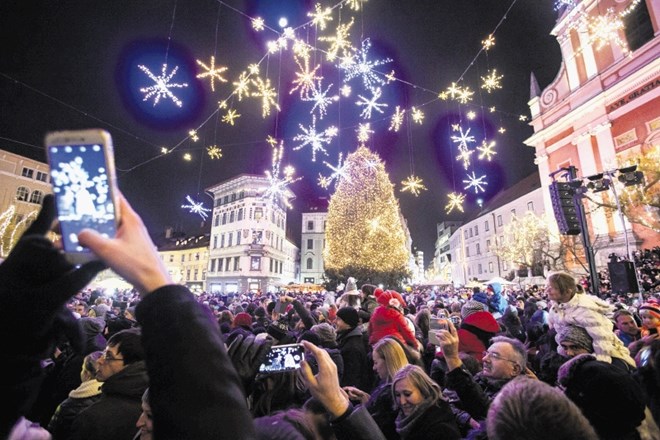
(186, 260)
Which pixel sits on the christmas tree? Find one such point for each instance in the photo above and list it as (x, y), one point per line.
(364, 233)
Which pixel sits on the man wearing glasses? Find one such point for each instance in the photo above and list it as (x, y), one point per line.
(505, 359)
(123, 372)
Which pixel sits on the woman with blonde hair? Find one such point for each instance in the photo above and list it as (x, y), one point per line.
(388, 358)
(422, 412)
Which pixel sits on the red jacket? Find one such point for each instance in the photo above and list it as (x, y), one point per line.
(388, 321)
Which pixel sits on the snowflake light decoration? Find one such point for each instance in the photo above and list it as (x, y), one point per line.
(162, 85)
(193, 135)
(267, 95)
(465, 95)
(187, 157)
(397, 119)
(223, 104)
(488, 42)
(241, 86)
(453, 90)
(491, 81)
(360, 65)
(475, 182)
(314, 139)
(338, 172)
(196, 208)
(339, 42)
(522, 118)
(212, 72)
(501, 130)
(271, 141)
(486, 150)
(455, 202)
(464, 138)
(413, 185)
(258, 24)
(305, 80)
(345, 90)
(253, 69)
(320, 16)
(390, 77)
(605, 29)
(278, 185)
(355, 4)
(417, 116)
(370, 104)
(465, 155)
(230, 116)
(471, 115)
(320, 99)
(214, 152)
(364, 132)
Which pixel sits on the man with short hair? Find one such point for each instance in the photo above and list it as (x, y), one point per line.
(123, 372)
(627, 329)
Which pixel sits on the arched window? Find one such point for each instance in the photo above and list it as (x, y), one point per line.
(36, 197)
(310, 264)
(22, 194)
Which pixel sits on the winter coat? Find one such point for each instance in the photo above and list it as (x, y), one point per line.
(497, 302)
(354, 354)
(590, 313)
(437, 423)
(381, 408)
(114, 415)
(474, 394)
(79, 399)
(388, 321)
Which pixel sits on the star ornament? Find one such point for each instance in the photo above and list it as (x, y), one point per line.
(455, 202)
(230, 117)
(214, 152)
(413, 185)
(477, 183)
(491, 81)
(196, 208)
(212, 72)
(162, 85)
(486, 150)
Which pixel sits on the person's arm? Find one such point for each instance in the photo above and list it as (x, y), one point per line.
(195, 391)
(302, 312)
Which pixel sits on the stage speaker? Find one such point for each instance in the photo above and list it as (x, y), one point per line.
(622, 277)
(563, 205)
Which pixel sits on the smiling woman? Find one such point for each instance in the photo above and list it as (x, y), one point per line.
(423, 413)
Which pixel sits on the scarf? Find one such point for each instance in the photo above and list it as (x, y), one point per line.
(88, 388)
(405, 425)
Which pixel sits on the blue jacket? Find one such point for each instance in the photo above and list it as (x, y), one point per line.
(497, 303)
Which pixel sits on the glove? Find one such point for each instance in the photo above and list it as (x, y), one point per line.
(36, 281)
(247, 354)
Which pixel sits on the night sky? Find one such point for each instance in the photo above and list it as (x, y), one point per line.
(72, 64)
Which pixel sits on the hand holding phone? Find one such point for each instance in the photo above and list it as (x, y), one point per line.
(84, 184)
(281, 358)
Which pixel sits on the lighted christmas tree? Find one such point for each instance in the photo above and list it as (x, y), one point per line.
(364, 234)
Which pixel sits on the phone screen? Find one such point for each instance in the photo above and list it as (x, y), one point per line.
(283, 358)
(82, 190)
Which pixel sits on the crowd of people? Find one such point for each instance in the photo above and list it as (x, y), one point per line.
(546, 362)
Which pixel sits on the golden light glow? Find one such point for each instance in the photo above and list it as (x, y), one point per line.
(212, 72)
(214, 152)
(413, 185)
(339, 42)
(267, 95)
(230, 116)
(455, 202)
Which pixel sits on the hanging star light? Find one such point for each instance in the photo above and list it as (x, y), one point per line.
(417, 115)
(214, 152)
(320, 16)
(339, 42)
(413, 184)
(364, 132)
(390, 77)
(492, 109)
(455, 202)
(314, 139)
(193, 135)
(278, 185)
(267, 95)
(488, 42)
(339, 171)
(258, 24)
(464, 138)
(453, 90)
(475, 182)
(606, 29)
(501, 130)
(491, 81)
(223, 104)
(486, 150)
(465, 155)
(522, 118)
(443, 95)
(241, 86)
(370, 104)
(162, 85)
(164, 150)
(301, 49)
(196, 208)
(320, 99)
(397, 119)
(230, 116)
(271, 141)
(355, 4)
(323, 181)
(455, 127)
(360, 65)
(187, 157)
(253, 69)
(305, 80)
(465, 95)
(345, 90)
(471, 115)
(212, 72)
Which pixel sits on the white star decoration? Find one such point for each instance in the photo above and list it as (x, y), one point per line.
(196, 208)
(162, 85)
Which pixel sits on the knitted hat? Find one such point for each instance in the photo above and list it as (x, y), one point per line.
(351, 287)
(575, 335)
(277, 330)
(349, 315)
(310, 336)
(541, 305)
(326, 334)
(398, 297)
(472, 306)
(652, 307)
(608, 396)
(383, 297)
(243, 320)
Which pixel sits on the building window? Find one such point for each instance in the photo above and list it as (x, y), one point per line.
(22, 194)
(470, 229)
(467, 251)
(188, 275)
(236, 263)
(212, 268)
(310, 264)
(36, 197)
(215, 242)
(183, 257)
(27, 172)
(310, 243)
(240, 214)
(490, 266)
(486, 227)
(638, 27)
(171, 258)
(255, 263)
(195, 274)
(43, 177)
(222, 240)
(258, 213)
(479, 268)
(231, 217)
(220, 261)
(233, 197)
(238, 238)
(487, 245)
(499, 220)
(227, 263)
(224, 218)
(478, 250)
(530, 206)
(513, 213)
(197, 256)
(476, 230)
(465, 234)
(226, 199)
(230, 236)
(310, 225)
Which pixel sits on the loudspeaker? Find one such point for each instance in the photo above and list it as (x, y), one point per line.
(563, 205)
(622, 277)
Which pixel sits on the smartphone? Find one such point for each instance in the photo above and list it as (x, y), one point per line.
(433, 338)
(280, 307)
(438, 323)
(82, 174)
(282, 358)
